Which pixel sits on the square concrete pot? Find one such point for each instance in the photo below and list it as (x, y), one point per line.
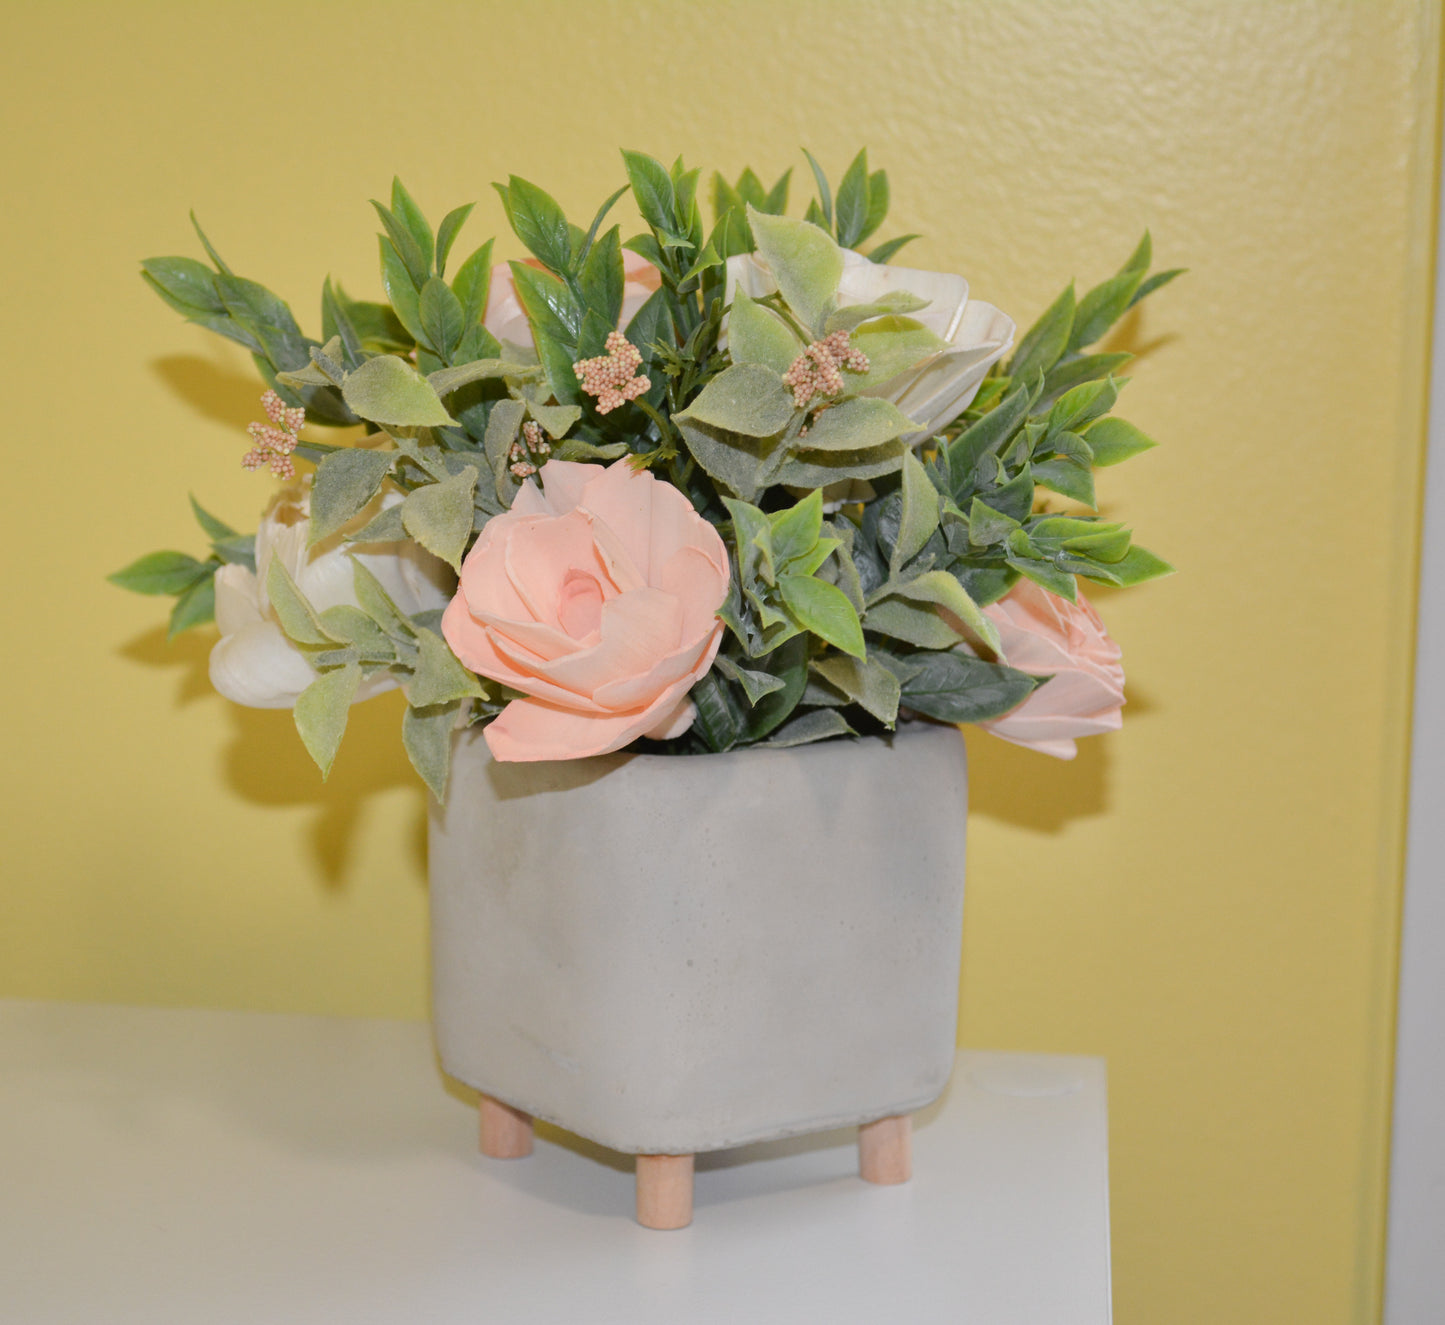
(670, 955)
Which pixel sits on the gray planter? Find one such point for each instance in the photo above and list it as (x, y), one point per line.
(677, 954)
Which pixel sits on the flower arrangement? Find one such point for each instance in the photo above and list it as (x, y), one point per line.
(698, 489)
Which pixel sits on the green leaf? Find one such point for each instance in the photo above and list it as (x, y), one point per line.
(1071, 372)
(912, 623)
(503, 424)
(195, 607)
(548, 304)
(755, 684)
(602, 277)
(540, 223)
(776, 203)
(747, 398)
(322, 710)
(887, 250)
(187, 285)
(598, 219)
(1113, 441)
(794, 532)
(1103, 306)
(356, 629)
(877, 205)
(1137, 566)
(735, 461)
(894, 303)
(345, 481)
(389, 391)
(816, 725)
(442, 316)
(825, 197)
(472, 284)
(1047, 576)
(943, 590)
(414, 261)
(556, 419)
(865, 681)
(447, 233)
(298, 618)
(920, 513)
(160, 573)
(400, 292)
(719, 722)
(406, 211)
(1046, 340)
(1155, 282)
(758, 335)
(1067, 477)
(987, 526)
(852, 209)
(209, 247)
(439, 677)
(267, 318)
(893, 345)
(858, 424)
(1079, 407)
(824, 610)
(652, 189)
(954, 687)
(804, 261)
(426, 734)
(753, 536)
(439, 516)
(384, 527)
(446, 380)
(377, 603)
(215, 529)
(817, 469)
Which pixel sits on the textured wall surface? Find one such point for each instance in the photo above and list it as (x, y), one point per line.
(1209, 898)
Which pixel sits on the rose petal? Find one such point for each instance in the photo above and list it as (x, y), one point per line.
(639, 629)
(539, 553)
(686, 663)
(563, 482)
(530, 730)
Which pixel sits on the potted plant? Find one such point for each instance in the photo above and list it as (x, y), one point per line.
(689, 552)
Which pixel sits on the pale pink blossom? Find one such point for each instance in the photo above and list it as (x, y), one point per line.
(595, 596)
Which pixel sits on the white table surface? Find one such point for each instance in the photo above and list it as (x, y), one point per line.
(162, 1166)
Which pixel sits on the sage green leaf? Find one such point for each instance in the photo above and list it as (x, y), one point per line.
(377, 603)
(795, 531)
(555, 419)
(737, 462)
(356, 628)
(473, 283)
(893, 345)
(447, 232)
(920, 513)
(757, 335)
(1081, 405)
(877, 205)
(987, 526)
(597, 220)
(1049, 576)
(1137, 566)
(602, 277)
(186, 285)
(1067, 477)
(747, 398)
(439, 677)
(415, 262)
(804, 261)
(589, 452)
(385, 527)
(856, 424)
(815, 725)
(215, 529)
(942, 589)
(345, 481)
(1114, 441)
(790, 662)
(503, 425)
(389, 391)
(1154, 282)
(548, 304)
(195, 607)
(322, 710)
(844, 571)
(954, 687)
(887, 250)
(853, 206)
(446, 380)
(824, 610)
(1070, 373)
(989, 435)
(426, 734)
(404, 208)
(400, 292)
(652, 189)
(825, 197)
(864, 681)
(776, 203)
(266, 317)
(160, 573)
(817, 469)
(442, 317)
(719, 720)
(1110, 544)
(1045, 341)
(1103, 306)
(755, 684)
(539, 222)
(896, 303)
(1016, 497)
(298, 618)
(439, 516)
(911, 623)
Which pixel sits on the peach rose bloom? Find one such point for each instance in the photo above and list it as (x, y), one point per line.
(1045, 635)
(596, 596)
(505, 319)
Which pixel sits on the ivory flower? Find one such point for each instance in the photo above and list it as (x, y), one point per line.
(595, 596)
(937, 390)
(505, 319)
(1045, 635)
(254, 663)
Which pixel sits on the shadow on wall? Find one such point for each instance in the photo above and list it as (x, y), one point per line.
(212, 389)
(266, 764)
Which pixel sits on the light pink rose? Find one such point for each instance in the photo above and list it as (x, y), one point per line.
(505, 319)
(596, 596)
(1045, 635)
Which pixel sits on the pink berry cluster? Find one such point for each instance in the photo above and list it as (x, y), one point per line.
(611, 377)
(523, 453)
(275, 442)
(817, 371)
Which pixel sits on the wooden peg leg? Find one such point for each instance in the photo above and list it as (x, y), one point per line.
(506, 1133)
(885, 1150)
(664, 1191)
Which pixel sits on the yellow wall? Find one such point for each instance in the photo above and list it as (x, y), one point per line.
(1209, 898)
